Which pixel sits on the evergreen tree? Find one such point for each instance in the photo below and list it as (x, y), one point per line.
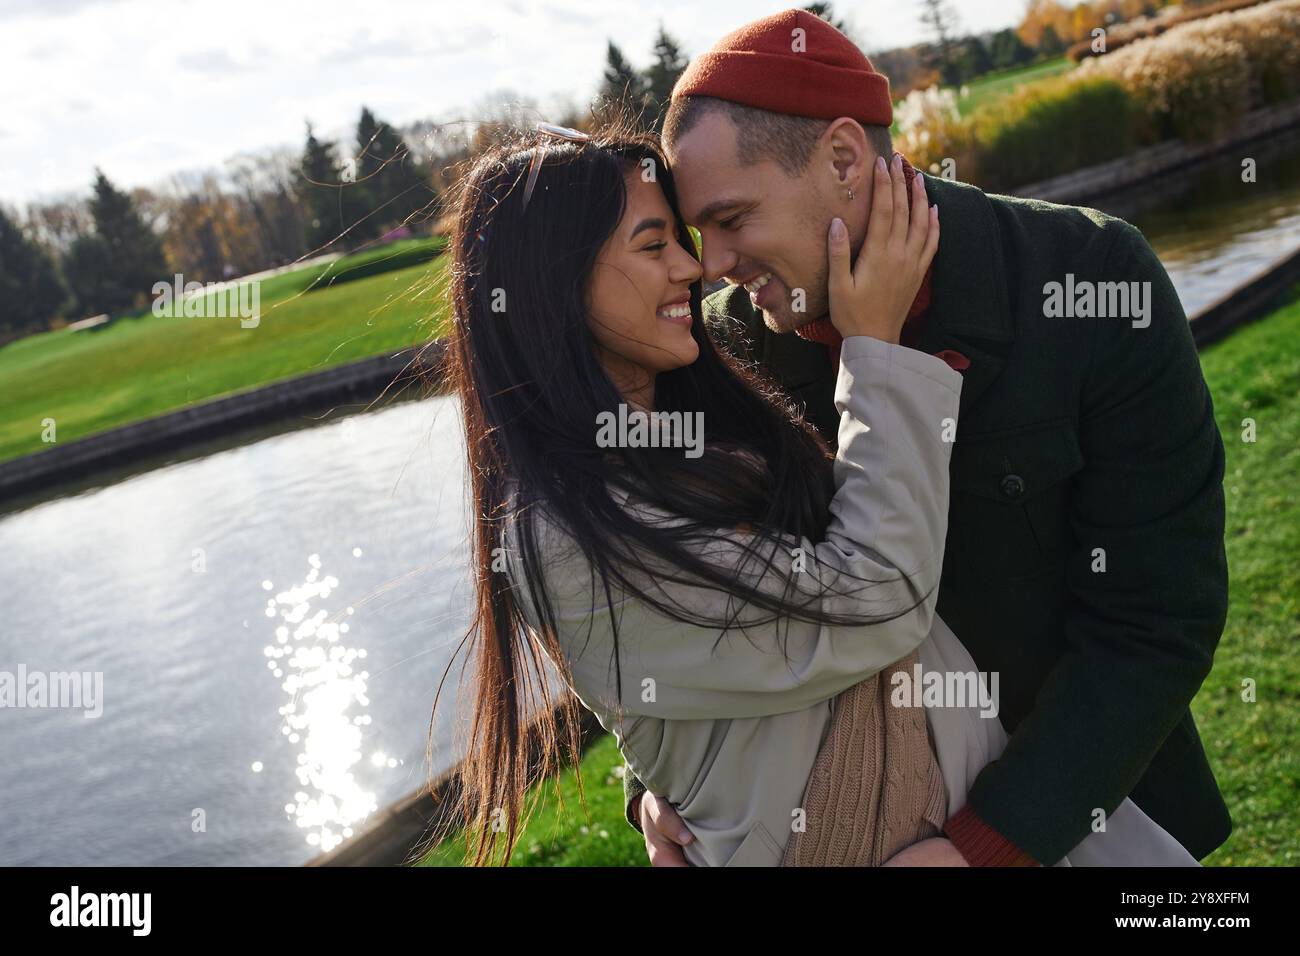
(391, 187)
(127, 259)
(669, 62)
(1050, 44)
(1007, 49)
(973, 60)
(318, 188)
(88, 264)
(623, 90)
(31, 291)
(824, 11)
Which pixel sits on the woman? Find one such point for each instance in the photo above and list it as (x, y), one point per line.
(710, 602)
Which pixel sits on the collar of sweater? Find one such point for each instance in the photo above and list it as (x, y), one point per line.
(824, 331)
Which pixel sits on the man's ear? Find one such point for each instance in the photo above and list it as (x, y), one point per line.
(848, 152)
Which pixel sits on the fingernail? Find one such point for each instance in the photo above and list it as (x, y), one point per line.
(685, 837)
(837, 228)
(880, 163)
(898, 160)
(920, 182)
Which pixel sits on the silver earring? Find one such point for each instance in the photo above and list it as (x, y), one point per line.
(850, 194)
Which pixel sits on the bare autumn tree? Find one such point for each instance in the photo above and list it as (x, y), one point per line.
(499, 112)
(56, 223)
(190, 235)
(210, 233)
(1040, 17)
(266, 183)
(940, 19)
(905, 68)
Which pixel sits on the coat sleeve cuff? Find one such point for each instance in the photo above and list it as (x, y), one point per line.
(632, 791)
(980, 844)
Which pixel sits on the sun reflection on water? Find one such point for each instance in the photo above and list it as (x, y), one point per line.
(324, 716)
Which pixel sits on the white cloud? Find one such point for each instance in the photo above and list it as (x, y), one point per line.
(148, 87)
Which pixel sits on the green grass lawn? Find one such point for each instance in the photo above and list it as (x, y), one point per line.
(993, 86)
(1253, 747)
(143, 366)
(571, 838)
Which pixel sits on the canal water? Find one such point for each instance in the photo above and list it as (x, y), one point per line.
(269, 621)
(1217, 228)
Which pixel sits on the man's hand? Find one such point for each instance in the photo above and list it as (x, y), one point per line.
(936, 851)
(665, 834)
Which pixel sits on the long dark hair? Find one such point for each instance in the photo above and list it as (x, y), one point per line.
(531, 389)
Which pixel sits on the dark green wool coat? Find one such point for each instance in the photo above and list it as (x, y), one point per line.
(1081, 440)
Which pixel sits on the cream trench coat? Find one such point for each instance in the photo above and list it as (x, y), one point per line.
(728, 733)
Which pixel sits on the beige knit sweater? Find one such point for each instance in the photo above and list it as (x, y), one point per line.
(875, 786)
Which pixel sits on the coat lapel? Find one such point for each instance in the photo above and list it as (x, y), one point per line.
(970, 310)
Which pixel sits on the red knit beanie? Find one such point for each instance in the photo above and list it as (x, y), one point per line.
(791, 62)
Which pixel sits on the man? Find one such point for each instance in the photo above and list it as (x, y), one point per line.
(1085, 561)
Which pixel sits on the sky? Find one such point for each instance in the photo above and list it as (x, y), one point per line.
(146, 88)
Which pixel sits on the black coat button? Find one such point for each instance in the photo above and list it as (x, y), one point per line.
(1013, 486)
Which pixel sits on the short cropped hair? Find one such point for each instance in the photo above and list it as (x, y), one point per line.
(784, 138)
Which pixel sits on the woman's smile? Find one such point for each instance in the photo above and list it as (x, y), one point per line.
(678, 313)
